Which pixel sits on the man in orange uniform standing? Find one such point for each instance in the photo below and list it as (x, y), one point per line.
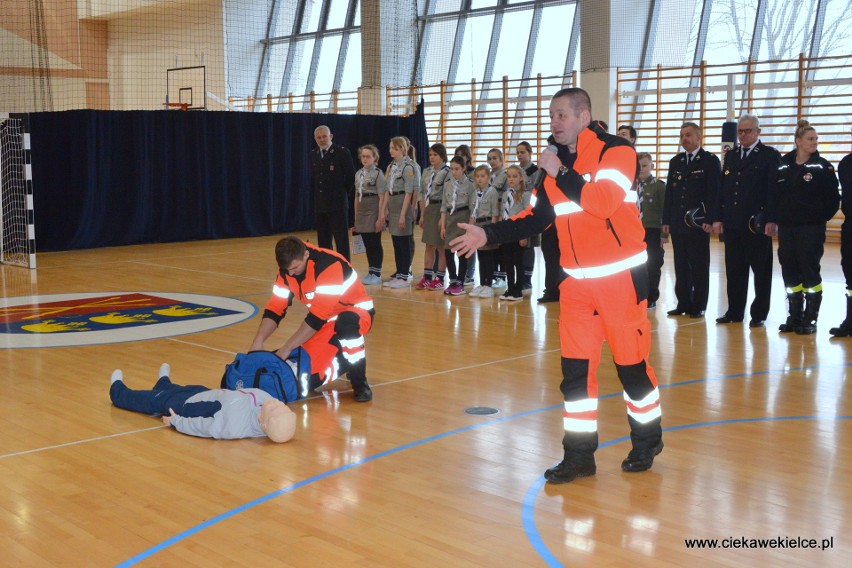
(340, 313)
(587, 195)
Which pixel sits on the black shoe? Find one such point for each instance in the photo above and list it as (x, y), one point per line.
(676, 312)
(548, 297)
(698, 314)
(728, 319)
(568, 471)
(641, 460)
(806, 329)
(757, 323)
(363, 392)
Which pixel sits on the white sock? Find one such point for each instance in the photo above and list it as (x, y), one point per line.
(117, 375)
(165, 371)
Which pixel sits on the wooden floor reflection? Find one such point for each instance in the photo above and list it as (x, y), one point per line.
(758, 437)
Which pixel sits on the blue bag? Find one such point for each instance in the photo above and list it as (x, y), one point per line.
(286, 380)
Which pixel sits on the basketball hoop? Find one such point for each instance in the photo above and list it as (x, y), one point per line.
(176, 106)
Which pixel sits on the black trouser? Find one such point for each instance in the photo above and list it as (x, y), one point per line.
(553, 273)
(743, 251)
(692, 269)
(846, 252)
(656, 252)
(402, 254)
(799, 251)
(451, 266)
(487, 259)
(334, 224)
(512, 260)
(375, 252)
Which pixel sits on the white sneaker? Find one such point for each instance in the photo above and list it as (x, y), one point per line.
(487, 292)
(371, 279)
(476, 291)
(389, 282)
(165, 371)
(398, 283)
(117, 375)
(498, 283)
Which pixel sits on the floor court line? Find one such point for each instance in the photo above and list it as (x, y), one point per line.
(528, 506)
(540, 548)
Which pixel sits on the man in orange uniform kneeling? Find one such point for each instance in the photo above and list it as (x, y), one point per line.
(340, 313)
(587, 196)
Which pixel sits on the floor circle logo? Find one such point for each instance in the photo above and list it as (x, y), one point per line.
(62, 320)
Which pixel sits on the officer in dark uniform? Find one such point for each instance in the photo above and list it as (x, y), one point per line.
(333, 175)
(691, 188)
(748, 174)
(844, 172)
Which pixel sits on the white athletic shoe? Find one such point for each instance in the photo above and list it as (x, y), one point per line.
(476, 291)
(399, 283)
(371, 279)
(487, 292)
(165, 371)
(117, 375)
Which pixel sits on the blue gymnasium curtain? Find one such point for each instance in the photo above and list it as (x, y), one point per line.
(110, 178)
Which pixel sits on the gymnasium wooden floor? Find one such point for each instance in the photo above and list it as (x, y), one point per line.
(758, 436)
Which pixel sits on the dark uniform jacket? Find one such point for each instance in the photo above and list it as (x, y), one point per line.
(805, 194)
(333, 177)
(746, 184)
(689, 186)
(844, 172)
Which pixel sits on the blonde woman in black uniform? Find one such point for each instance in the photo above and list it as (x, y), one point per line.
(805, 198)
(369, 187)
(431, 192)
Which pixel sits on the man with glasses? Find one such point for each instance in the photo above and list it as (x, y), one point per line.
(748, 175)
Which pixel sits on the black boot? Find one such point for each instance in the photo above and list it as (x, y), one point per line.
(357, 375)
(809, 321)
(845, 328)
(796, 305)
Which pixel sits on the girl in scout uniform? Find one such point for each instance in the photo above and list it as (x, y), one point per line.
(369, 187)
(515, 200)
(498, 182)
(431, 194)
(398, 203)
(463, 150)
(533, 174)
(457, 204)
(485, 211)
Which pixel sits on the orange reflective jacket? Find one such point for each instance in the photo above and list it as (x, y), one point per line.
(328, 287)
(596, 216)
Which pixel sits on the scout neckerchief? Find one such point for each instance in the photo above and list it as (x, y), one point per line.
(432, 180)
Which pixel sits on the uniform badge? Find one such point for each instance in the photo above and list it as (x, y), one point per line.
(727, 172)
(808, 176)
(679, 176)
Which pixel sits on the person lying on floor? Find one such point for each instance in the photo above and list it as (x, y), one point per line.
(197, 410)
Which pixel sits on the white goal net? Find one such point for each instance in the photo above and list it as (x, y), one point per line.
(17, 241)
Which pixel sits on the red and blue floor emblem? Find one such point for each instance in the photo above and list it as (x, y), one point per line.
(61, 320)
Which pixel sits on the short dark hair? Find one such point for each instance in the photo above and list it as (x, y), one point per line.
(439, 149)
(287, 250)
(463, 150)
(691, 125)
(526, 145)
(629, 129)
(460, 161)
(579, 98)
